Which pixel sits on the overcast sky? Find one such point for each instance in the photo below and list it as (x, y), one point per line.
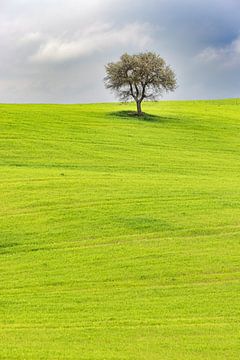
(55, 50)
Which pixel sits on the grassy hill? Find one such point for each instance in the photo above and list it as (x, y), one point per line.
(120, 237)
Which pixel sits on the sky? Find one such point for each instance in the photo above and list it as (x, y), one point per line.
(54, 51)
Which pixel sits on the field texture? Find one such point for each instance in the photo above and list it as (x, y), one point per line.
(120, 238)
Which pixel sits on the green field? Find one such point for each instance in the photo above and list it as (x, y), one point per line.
(120, 237)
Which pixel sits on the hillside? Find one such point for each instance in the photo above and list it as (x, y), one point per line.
(120, 237)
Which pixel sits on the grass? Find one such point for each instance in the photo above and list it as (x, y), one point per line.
(120, 237)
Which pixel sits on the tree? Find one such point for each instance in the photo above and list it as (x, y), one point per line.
(142, 76)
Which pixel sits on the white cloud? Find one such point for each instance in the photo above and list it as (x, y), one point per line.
(228, 55)
(32, 37)
(96, 38)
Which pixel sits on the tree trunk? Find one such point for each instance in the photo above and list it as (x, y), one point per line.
(139, 108)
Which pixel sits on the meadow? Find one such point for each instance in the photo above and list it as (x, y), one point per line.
(120, 236)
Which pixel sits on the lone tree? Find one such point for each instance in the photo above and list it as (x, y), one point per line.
(141, 76)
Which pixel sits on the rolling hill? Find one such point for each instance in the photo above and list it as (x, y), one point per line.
(120, 237)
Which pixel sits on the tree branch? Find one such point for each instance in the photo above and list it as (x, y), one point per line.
(131, 90)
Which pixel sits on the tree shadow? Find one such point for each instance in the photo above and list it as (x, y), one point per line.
(133, 115)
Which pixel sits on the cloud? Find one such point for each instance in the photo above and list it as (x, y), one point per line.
(97, 38)
(226, 56)
(55, 50)
(32, 37)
